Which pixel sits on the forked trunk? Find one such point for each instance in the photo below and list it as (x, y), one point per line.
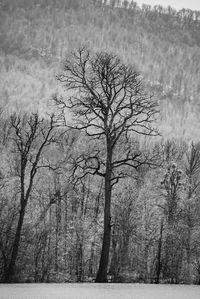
(11, 267)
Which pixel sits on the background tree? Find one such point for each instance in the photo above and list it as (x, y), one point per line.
(30, 135)
(173, 195)
(109, 104)
(192, 169)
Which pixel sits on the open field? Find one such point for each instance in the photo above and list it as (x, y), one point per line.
(98, 291)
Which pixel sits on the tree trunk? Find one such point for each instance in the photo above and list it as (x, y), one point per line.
(103, 265)
(115, 263)
(65, 233)
(11, 268)
(4, 262)
(158, 267)
(79, 262)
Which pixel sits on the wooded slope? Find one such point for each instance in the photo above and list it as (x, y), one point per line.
(162, 43)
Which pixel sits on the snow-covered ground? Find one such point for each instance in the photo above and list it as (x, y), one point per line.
(98, 291)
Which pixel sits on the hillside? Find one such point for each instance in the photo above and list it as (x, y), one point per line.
(163, 44)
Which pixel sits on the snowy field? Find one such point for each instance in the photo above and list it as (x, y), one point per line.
(98, 291)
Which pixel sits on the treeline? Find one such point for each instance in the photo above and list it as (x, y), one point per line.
(155, 221)
(162, 43)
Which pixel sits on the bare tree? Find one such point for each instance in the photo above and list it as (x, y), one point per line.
(108, 103)
(30, 134)
(192, 168)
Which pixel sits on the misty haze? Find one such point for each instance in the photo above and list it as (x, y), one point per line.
(99, 150)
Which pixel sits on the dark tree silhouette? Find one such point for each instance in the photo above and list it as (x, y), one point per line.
(30, 134)
(108, 103)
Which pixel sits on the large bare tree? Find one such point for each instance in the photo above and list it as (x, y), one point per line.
(109, 104)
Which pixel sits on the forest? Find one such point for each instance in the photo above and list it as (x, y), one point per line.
(99, 142)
